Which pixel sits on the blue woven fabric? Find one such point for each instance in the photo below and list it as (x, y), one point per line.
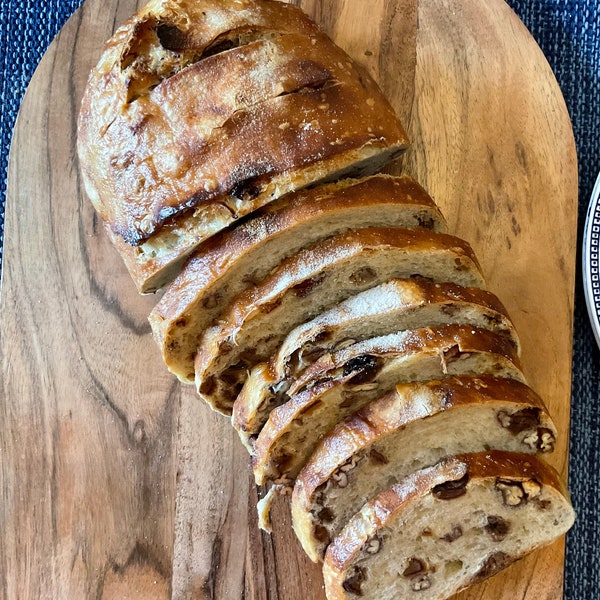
(568, 32)
(26, 29)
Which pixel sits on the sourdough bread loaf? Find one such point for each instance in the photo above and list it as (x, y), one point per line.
(360, 374)
(311, 281)
(396, 305)
(227, 264)
(201, 111)
(410, 428)
(446, 527)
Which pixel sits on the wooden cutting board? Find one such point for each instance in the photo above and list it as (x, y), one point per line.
(117, 483)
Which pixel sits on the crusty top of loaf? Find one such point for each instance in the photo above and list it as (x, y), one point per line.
(165, 124)
(409, 402)
(494, 464)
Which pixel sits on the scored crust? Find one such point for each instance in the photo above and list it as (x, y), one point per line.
(311, 281)
(227, 264)
(409, 428)
(200, 112)
(446, 527)
(389, 308)
(357, 375)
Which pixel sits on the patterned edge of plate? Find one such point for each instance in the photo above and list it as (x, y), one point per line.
(591, 260)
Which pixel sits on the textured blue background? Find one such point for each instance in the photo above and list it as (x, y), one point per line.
(568, 32)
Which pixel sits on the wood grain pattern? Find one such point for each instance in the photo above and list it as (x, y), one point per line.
(116, 482)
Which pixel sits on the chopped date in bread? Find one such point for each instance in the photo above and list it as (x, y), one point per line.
(415, 567)
(492, 565)
(363, 276)
(171, 37)
(497, 527)
(527, 418)
(451, 489)
(365, 368)
(353, 583)
(304, 289)
(453, 535)
(247, 189)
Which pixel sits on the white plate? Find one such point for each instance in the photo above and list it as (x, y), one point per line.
(591, 260)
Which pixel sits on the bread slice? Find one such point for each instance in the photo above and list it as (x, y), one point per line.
(447, 527)
(227, 264)
(363, 372)
(412, 427)
(394, 306)
(311, 281)
(196, 117)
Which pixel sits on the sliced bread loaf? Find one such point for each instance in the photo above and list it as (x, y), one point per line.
(394, 306)
(200, 112)
(311, 281)
(358, 375)
(446, 527)
(227, 264)
(412, 427)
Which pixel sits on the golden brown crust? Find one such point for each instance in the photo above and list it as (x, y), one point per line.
(445, 340)
(157, 261)
(279, 135)
(348, 243)
(407, 294)
(479, 466)
(173, 120)
(345, 244)
(191, 297)
(249, 400)
(393, 411)
(138, 58)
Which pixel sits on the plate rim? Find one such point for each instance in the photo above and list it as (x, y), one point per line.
(591, 260)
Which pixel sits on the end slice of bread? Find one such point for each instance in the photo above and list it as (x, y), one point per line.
(412, 427)
(447, 527)
(187, 126)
